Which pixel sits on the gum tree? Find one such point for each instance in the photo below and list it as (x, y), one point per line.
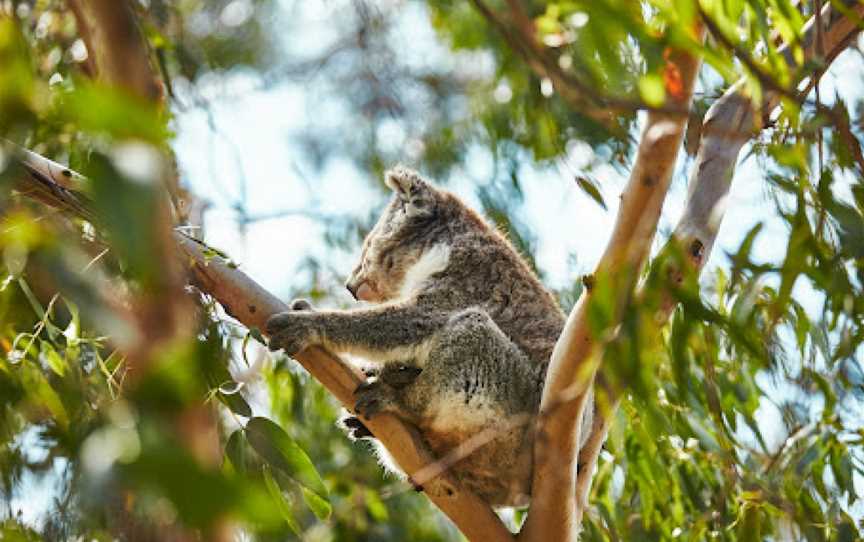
(119, 326)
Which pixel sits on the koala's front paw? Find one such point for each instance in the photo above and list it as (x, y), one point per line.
(374, 398)
(291, 331)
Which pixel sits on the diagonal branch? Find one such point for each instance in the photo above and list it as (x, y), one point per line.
(728, 125)
(582, 97)
(252, 305)
(554, 514)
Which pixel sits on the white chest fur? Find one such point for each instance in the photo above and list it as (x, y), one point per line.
(432, 261)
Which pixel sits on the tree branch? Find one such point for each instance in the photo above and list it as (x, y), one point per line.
(554, 512)
(252, 305)
(582, 97)
(729, 123)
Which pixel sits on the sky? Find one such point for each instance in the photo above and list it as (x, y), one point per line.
(242, 143)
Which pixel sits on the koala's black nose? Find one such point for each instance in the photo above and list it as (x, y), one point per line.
(353, 289)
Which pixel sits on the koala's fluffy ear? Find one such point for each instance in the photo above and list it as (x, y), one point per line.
(414, 192)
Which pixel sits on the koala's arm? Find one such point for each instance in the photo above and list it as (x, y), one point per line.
(379, 333)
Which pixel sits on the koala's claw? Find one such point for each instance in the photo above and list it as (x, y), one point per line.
(356, 429)
(290, 331)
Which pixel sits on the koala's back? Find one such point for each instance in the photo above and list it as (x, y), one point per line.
(485, 270)
(485, 273)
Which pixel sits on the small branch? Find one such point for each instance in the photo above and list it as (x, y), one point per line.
(554, 512)
(582, 97)
(252, 305)
(730, 123)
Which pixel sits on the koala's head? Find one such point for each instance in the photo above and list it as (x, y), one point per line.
(401, 249)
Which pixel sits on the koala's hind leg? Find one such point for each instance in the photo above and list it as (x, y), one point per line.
(475, 362)
(470, 374)
(476, 398)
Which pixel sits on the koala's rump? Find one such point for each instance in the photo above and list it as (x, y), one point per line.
(488, 451)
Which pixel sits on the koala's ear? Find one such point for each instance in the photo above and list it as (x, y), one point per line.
(414, 192)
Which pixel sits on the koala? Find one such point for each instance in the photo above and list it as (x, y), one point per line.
(460, 331)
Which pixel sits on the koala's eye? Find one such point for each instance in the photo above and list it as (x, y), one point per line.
(388, 263)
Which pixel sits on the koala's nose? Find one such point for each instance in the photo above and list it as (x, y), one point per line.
(352, 288)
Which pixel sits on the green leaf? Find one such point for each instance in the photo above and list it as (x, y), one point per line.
(320, 507)
(590, 187)
(850, 228)
(235, 451)
(841, 467)
(49, 355)
(274, 445)
(255, 333)
(41, 392)
(234, 400)
(104, 110)
(651, 89)
(375, 506)
(126, 210)
(281, 503)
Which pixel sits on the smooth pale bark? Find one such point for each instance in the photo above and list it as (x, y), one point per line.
(732, 121)
(554, 514)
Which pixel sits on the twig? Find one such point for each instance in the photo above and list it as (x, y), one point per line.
(582, 97)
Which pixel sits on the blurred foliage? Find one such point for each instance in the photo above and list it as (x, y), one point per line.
(740, 421)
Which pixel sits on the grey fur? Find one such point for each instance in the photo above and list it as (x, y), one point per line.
(466, 350)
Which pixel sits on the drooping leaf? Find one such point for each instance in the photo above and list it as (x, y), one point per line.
(279, 498)
(280, 451)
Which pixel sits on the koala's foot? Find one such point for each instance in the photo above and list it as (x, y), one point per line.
(355, 428)
(292, 330)
(374, 398)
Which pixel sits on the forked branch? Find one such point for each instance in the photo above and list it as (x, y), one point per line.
(554, 514)
(728, 125)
